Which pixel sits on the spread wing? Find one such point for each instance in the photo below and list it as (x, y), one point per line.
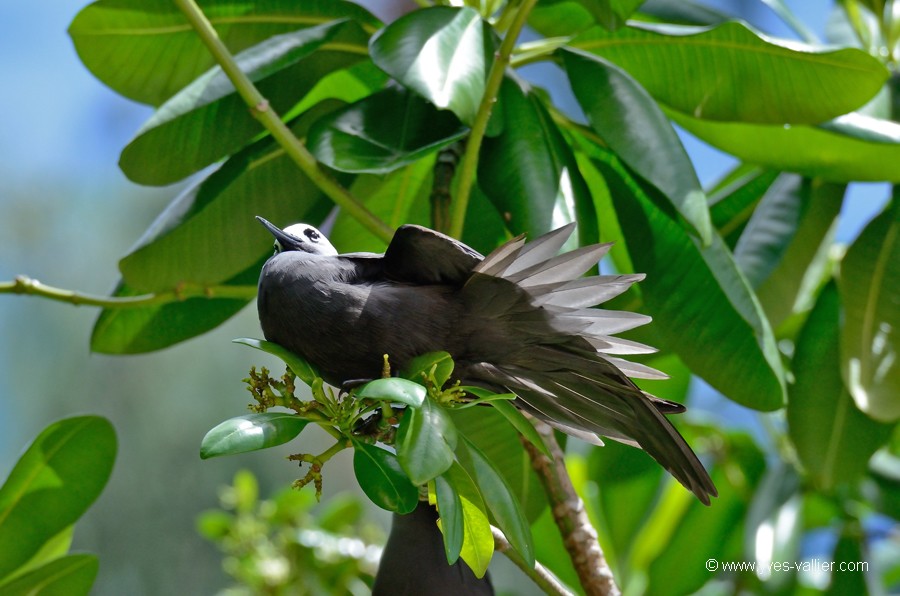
(418, 255)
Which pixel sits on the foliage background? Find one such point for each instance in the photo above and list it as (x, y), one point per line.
(67, 214)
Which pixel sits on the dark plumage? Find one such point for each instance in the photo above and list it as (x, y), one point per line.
(517, 320)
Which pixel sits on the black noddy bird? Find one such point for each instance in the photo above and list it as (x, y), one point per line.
(519, 320)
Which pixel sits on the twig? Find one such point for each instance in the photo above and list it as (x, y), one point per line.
(27, 285)
(479, 126)
(263, 112)
(444, 168)
(539, 574)
(579, 536)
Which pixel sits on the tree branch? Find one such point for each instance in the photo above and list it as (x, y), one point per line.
(264, 113)
(479, 126)
(579, 536)
(27, 285)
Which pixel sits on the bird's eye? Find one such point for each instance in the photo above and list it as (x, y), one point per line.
(311, 234)
(277, 247)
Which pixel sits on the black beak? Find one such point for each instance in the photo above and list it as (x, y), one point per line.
(286, 241)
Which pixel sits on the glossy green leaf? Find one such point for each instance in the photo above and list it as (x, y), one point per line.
(833, 439)
(849, 550)
(209, 233)
(139, 330)
(451, 518)
(251, 432)
(383, 132)
(482, 397)
(703, 308)
(870, 292)
(442, 53)
(305, 371)
(499, 497)
(528, 169)
(478, 541)
(792, 285)
(398, 198)
(382, 479)
(72, 575)
(848, 148)
(730, 72)
(636, 130)
(54, 482)
(422, 365)
(147, 51)
(53, 548)
(426, 439)
(284, 68)
(394, 390)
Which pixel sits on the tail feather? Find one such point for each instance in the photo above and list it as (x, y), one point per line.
(555, 351)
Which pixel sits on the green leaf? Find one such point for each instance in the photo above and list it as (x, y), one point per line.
(849, 549)
(382, 479)
(305, 371)
(451, 518)
(792, 285)
(72, 575)
(251, 432)
(394, 390)
(478, 541)
(52, 549)
(848, 148)
(442, 53)
(732, 73)
(521, 424)
(426, 439)
(138, 330)
(636, 130)
(483, 397)
(420, 366)
(733, 200)
(383, 132)
(499, 498)
(500, 442)
(528, 169)
(54, 482)
(398, 198)
(284, 68)
(870, 292)
(209, 233)
(147, 51)
(703, 308)
(834, 440)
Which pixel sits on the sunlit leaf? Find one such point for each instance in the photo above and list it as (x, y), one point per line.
(251, 432)
(72, 575)
(394, 390)
(528, 170)
(442, 53)
(284, 68)
(422, 365)
(53, 483)
(730, 72)
(869, 283)
(636, 130)
(147, 51)
(383, 132)
(849, 148)
(478, 541)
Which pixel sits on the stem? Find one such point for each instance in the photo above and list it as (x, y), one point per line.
(441, 198)
(479, 126)
(264, 113)
(27, 285)
(539, 574)
(579, 536)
